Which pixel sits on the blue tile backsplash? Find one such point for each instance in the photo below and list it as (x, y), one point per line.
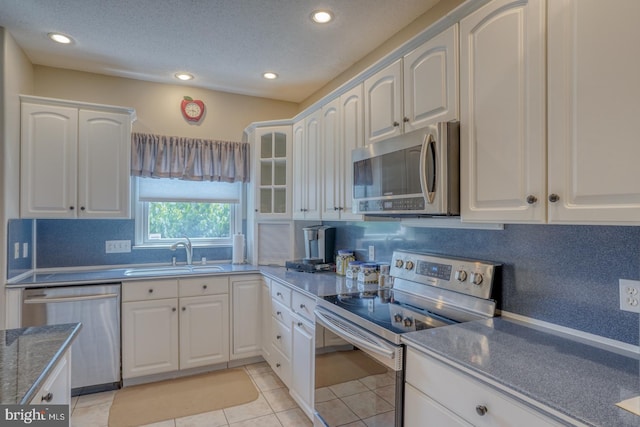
(562, 274)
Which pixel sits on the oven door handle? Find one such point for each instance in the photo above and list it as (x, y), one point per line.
(355, 335)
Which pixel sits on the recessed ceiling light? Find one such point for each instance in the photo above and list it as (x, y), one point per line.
(184, 76)
(321, 16)
(269, 75)
(59, 38)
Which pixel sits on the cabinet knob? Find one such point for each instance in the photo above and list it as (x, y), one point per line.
(47, 397)
(481, 410)
(278, 337)
(335, 208)
(553, 198)
(396, 124)
(277, 365)
(302, 306)
(299, 324)
(531, 199)
(256, 210)
(150, 290)
(71, 208)
(173, 309)
(81, 208)
(406, 119)
(340, 208)
(278, 313)
(204, 286)
(278, 294)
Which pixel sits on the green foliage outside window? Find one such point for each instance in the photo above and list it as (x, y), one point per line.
(173, 220)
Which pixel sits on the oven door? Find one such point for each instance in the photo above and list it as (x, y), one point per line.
(360, 381)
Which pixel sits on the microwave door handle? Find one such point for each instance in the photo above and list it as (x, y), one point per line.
(428, 156)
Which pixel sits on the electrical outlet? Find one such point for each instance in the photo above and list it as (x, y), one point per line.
(630, 295)
(372, 253)
(25, 249)
(16, 250)
(117, 246)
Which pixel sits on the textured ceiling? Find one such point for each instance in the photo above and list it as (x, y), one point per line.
(226, 44)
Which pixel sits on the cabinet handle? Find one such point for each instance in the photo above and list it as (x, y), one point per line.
(302, 306)
(481, 410)
(340, 208)
(531, 199)
(71, 208)
(150, 290)
(335, 208)
(204, 286)
(278, 313)
(278, 337)
(47, 397)
(300, 324)
(406, 119)
(278, 294)
(396, 124)
(184, 308)
(256, 210)
(553, 198)
(277, 365)
(81, 208)
(173, 309)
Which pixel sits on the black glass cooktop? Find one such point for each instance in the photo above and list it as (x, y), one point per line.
(385, 308)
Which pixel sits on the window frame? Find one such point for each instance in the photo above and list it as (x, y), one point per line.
(141, 212)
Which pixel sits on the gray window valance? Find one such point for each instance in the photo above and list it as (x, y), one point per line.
(189, 159)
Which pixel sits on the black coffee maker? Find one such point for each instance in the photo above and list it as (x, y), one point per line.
(319, 248)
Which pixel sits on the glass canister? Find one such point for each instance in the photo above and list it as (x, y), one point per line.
(368, 273)
(384, 280)
(353, 269)
(342, 261)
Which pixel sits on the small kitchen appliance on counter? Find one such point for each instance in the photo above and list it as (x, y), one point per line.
(319, 245)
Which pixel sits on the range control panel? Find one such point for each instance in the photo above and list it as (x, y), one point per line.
(470, 277)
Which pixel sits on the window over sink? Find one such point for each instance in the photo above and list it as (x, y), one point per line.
(209, 213)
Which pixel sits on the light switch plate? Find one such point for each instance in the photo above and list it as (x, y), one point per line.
(117, 246)
(16, 250)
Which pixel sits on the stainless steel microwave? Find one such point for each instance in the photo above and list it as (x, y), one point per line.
(416, 173)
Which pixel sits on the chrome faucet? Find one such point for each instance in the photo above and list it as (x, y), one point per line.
(186, 244)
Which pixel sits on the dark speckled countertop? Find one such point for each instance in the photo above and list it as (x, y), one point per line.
(28, 356)
(576, 379)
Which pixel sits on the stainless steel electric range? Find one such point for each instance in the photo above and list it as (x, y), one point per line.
(428, 291)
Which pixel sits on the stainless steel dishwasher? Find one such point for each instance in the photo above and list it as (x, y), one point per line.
(95, 354)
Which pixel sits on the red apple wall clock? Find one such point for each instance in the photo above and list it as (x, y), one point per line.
(192, 109)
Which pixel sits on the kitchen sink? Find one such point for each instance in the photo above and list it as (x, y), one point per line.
(163, 271)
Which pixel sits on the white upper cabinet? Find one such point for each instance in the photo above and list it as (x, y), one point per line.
(307, 184)
(272, 156)
(383, 103)
(342, 131)
(593, 104)
(75, 160)
(430, 81)
(415, 91)
(502, 112)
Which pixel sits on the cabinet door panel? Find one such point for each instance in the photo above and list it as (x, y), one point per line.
(48, 161)
(204, 330)
(246, 306)
(383, 105)
(421, 411)
(149, 337)
(431, 82)
(331, 145)
(352, 136)
(502, 92)
(302, 372)
(104, 164)
(593, 110)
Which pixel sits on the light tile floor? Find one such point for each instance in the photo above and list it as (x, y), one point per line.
(274, 407)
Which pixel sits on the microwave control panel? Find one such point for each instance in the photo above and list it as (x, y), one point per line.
(408, 204)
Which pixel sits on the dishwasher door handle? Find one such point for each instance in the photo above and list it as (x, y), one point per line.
(72, 298)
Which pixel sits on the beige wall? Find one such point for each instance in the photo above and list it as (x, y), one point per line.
(16, 77)
(158, 105)
(401, 37)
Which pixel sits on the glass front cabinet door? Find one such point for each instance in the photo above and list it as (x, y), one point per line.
(273, 170)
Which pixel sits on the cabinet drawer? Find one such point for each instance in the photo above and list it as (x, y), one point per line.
(149, 290)
(443, 384)
(196, 286)
(303, 305)
(280, 312)
(281, 336)
(281, 293)
(281, 365)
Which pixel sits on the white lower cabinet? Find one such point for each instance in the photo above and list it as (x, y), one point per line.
(174, 324)
(246, 302)
(56, 390)
(438, 395)
(302, 364)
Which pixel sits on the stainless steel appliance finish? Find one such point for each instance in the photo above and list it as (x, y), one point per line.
(416, 173)
(428, 291)
(95, 354)
(319, 243)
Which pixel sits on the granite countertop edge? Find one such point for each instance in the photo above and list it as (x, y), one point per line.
(48, 369)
